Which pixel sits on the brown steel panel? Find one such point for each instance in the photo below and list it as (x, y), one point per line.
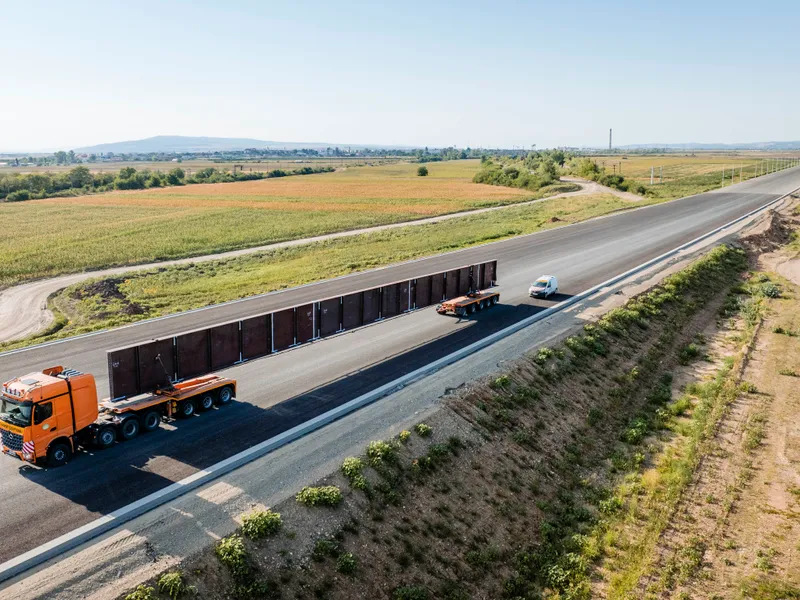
(437, 288)
(403, 295)
(305, 323)
(256, 340)
(451, 285)
(390, 300)
(122, 373)
(193, 354)
(372, 305)
(283, 329)
(463, 281)
(423, 292)
(329, 316)
(151, 373)
(224, 345)
(488, 272)
(351, 311)
(412, 293)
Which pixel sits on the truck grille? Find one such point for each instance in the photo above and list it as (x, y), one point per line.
(11, 440)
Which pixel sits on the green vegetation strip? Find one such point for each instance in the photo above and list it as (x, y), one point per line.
(112, 302)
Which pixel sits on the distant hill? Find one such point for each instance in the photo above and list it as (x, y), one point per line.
(179, 143)
(766, 146)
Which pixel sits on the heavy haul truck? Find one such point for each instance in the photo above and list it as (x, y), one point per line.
(47, 415)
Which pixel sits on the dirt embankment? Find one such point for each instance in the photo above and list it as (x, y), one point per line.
(507, 496)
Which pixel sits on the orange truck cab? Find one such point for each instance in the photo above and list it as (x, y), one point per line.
(41, 413)
(50, 413)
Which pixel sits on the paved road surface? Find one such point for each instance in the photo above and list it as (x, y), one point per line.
(281, 391)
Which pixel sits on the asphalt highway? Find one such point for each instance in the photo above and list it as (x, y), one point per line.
(281, 391)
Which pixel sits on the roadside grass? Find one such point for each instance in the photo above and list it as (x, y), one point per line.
(49, 237)
(90, 306)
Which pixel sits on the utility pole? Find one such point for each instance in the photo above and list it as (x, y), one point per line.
(723, 175)
(740, 174)
(661, 175)
(651, 175)
(609, 140)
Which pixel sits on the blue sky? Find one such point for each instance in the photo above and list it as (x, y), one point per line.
(481, 74)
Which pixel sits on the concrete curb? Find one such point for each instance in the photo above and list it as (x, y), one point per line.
(73, 539)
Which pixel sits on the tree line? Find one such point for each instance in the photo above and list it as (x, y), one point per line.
(79, 181)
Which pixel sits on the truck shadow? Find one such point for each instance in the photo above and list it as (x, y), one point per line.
(99, 482)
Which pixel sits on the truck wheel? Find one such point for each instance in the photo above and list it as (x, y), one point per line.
(186, 409)
(129, 428)
(58, 454)
(151, 420)
(225, 395)
(106, 436)
(206, 402)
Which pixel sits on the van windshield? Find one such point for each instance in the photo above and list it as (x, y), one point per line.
(541, 282)
(14, 412)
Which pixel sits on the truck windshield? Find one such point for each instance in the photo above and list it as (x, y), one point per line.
(14, 412)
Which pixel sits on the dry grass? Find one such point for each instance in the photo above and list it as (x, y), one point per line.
(61, 235)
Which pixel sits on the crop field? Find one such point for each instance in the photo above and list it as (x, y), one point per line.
(62, 235)
(82, 308)
(192, 166)
(676, 166)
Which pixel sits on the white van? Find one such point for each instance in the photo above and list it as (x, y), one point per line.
(545, 286)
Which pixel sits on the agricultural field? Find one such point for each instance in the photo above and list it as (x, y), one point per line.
(115, 301)
(681, 166)
(192, 166)
(62, 235)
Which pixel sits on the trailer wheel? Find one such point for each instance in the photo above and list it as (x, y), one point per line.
(58, 454)
(129, 428)
(106, 436)
(225, 395)
(472, 308)
(206, 402)
(186, 408)
(151, 420)
(495, 299)
(461, 311)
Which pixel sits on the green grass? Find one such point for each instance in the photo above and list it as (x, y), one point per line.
(173, 289)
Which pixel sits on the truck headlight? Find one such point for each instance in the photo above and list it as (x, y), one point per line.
(27, 456)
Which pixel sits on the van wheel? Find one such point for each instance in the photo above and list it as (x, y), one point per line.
(151, 420)
(129, 428)
(106, 436)
(206, 402)
(58, 454)
(225, 395)
(185, 409)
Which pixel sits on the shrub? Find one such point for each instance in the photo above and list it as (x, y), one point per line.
(404, 435)
(380, 452)
(261, 523)
(594, 417)
(352, 466)
(788, 372)
(422, 171)
(770, 290)
(328, 495)
(173, 585)
(410, 592)
(688, 354)
(232, 553)
(423, 430)
(142, 592)
(501, 382)
(19, 196)
(748, 387)
(636, 431)
(346, 563)
(543, 355)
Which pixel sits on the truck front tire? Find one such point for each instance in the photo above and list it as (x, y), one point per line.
(106, 436)
(58, 454)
